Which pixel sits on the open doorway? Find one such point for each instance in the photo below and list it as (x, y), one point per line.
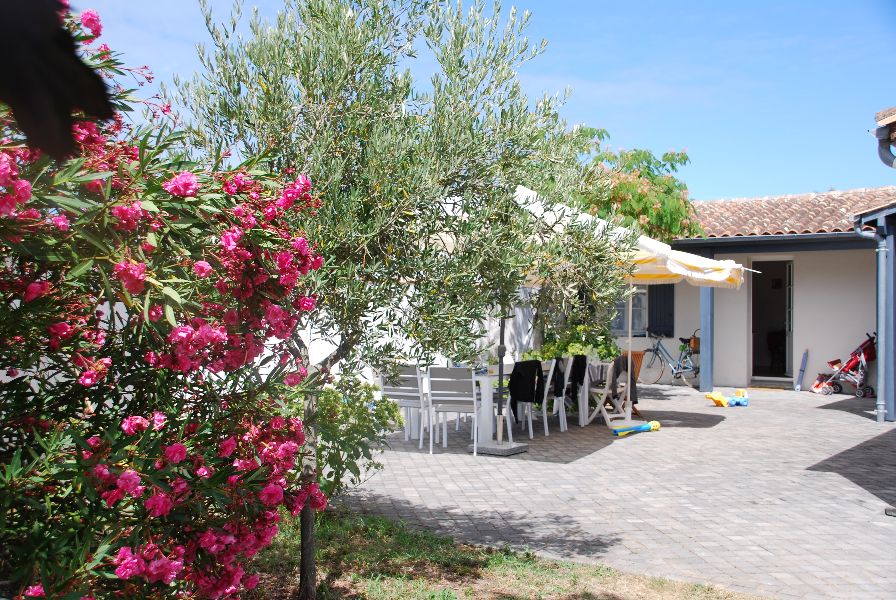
(772, 303)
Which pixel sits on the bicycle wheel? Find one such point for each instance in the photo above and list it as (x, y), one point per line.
(651, 367)
(691, 378)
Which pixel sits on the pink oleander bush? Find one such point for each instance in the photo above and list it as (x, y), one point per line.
(146, 310)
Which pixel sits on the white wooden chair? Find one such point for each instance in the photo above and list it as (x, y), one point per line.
(560, 401)
(548, 367)
(453, 390)
(610, 408)
(406, 390)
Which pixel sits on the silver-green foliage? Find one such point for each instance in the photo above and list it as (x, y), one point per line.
(418, 223)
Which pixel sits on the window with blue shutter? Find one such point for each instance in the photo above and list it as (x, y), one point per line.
(661, 309)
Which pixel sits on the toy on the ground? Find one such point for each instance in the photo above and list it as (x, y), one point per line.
(623, 431)
(740, 398)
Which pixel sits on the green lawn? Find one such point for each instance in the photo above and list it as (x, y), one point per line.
(375, 559)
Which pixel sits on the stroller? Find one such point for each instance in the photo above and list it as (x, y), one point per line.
(853, 370)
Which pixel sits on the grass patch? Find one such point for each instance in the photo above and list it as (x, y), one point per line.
(373, 558)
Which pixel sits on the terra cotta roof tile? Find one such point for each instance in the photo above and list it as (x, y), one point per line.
(825, 212)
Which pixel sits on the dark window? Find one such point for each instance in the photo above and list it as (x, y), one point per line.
(661, 309)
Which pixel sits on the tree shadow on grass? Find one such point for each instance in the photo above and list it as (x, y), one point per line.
(354, 548)
(870, 465)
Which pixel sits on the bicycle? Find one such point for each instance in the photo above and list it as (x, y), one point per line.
(657, 357)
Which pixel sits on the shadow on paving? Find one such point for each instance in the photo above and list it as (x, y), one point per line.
(674, 418)
(870, 465)
(863, 407)
(492, 525)
(559, 447)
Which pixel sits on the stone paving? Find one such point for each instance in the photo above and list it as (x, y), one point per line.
(784, 498)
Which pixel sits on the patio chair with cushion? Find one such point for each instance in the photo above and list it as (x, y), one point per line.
(526, 386)
(453, 390)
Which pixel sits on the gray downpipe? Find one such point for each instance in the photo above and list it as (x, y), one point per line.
(884, 150)
(881, 312)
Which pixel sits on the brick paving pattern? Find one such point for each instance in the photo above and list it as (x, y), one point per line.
(783, 499)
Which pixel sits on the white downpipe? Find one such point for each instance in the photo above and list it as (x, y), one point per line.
(628, 371)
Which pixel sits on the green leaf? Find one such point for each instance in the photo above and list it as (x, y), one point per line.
(169, 315)
(172, 293)
(79, 269)
(149, 205)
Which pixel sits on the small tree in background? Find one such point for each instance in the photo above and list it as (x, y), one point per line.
(643, 190)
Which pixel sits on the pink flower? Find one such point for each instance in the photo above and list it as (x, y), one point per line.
(36, 289)
(61, 330)
(175, 453)
(158, 505)
(22, 191)
(271, 494)
(129, 564)
(204, 472)
(132, 275)
(318, 499)
(128, 215)
(94, 441)
(180, 485)
(155, 313)
(184, 184)
(8, 170)
(227, 447)
(230, 238)
(300, 244)
(158, 420)
(163, 569)
(302, 184)
(60, 222)
(89, 378)
(133, 424)
(202, 268)
(91, 20)
(110, 497)
(35, 591)
(296, 378)
(129, 481)
(307, 303)
(251, 582)
(151, 358)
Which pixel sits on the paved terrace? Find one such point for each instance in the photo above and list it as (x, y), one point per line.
(783, 499)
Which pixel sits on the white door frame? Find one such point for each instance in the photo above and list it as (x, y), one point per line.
(759, 258)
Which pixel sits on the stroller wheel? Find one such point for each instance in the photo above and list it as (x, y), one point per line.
(861, 392)
(869, 391)
(826, 390)
(836, 387)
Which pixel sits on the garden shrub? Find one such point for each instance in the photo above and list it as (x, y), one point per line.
(146, 313)
(351, 425)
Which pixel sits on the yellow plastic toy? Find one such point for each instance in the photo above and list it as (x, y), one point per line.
(740, 393)
(718, 398)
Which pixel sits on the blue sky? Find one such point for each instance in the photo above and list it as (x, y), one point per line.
(767, 97)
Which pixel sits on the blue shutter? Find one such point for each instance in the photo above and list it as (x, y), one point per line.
(661, 309)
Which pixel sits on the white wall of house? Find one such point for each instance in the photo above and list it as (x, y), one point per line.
(833, 306)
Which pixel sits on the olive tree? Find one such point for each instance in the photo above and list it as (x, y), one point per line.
(416, 181)
(416, 178)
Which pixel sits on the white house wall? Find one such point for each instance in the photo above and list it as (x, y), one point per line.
(833, 306)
